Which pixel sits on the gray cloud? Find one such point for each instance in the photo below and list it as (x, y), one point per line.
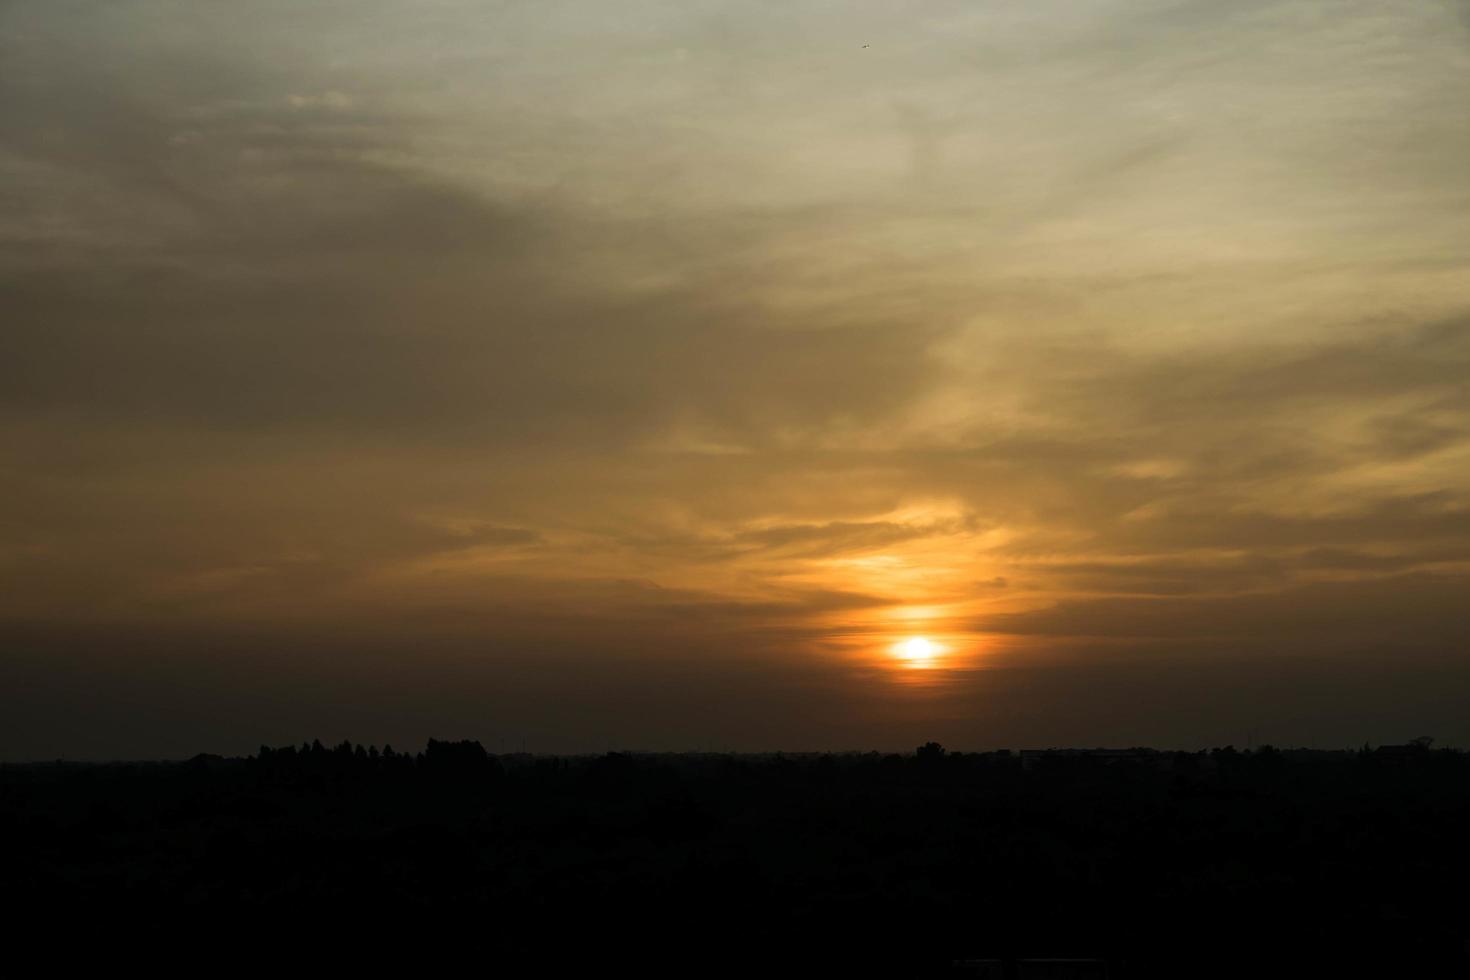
(1323, 617)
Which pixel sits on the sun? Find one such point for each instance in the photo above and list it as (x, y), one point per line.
(918, 651)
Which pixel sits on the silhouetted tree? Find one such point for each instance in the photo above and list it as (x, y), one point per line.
(930, 752)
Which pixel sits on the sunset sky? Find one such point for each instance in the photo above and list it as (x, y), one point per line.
(621, 374)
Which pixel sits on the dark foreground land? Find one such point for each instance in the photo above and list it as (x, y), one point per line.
(1225, 863)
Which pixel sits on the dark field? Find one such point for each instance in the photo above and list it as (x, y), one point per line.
(1162, 865)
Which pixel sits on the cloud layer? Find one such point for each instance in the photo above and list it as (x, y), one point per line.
(639, 374)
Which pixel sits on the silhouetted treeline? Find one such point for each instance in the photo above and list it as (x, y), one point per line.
(1228, 863)
(464, 766)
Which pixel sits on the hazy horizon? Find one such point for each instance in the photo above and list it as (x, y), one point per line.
(801, 375)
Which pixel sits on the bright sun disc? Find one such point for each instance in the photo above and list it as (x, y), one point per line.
(917, 650)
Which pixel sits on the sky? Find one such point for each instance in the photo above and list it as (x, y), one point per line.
(652, 375)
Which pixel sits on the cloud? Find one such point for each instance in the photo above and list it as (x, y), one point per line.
(839, 537)
(707, 337)
(1416, 613)
(331, 99)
